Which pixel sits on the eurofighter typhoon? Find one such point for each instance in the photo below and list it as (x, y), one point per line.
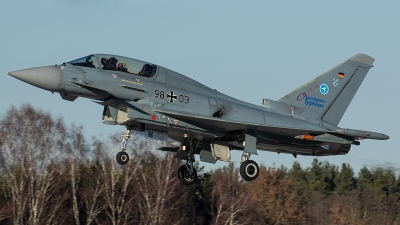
(146, 97)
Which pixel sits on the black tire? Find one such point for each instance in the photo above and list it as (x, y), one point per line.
(122, 158)
(249, 170)
(185, 177)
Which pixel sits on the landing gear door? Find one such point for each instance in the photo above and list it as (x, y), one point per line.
(221, 152)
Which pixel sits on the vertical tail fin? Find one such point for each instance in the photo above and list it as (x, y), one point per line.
(327, 97)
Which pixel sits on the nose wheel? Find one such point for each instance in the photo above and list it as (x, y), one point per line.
(122, 158)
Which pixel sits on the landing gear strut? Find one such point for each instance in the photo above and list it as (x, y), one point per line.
(248, 168)
(187, 174)
(123, 157)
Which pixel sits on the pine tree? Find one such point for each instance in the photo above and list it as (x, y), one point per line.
(345, 180)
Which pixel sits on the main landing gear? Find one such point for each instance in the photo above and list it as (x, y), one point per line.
(187, 174)
(123, 157)
(249, 169)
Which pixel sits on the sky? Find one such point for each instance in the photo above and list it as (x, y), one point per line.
(249, 50)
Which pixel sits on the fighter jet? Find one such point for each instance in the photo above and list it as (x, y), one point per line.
(146, 97)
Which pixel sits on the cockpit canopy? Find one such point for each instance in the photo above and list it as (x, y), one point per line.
(117, 63)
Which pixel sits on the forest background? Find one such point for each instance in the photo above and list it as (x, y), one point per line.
(50, 173)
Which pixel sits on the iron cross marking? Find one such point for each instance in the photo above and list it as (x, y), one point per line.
(171, 96)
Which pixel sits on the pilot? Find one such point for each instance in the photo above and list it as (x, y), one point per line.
(112, 63)
(148, 70)
(104, 63)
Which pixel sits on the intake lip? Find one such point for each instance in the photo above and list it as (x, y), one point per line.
(45, 77)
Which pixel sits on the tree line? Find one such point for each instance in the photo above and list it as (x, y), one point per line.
(50, 173)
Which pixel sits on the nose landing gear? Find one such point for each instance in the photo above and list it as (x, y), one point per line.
(123, 157)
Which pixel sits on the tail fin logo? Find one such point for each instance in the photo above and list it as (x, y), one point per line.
(301, 96)
(335, 82)
(311, 101)
(324, 89)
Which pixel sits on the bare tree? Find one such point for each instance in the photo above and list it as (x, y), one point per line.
(3, 208)
(91, 198)
(116, 180)
(160, 195)
(29, 144)
(91, 192)
(75, 147)
(229, 197)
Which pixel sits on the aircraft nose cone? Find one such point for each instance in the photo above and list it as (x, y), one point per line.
(46, 77)
(385, 137)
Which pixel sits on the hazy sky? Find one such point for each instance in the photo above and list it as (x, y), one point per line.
(247, 49)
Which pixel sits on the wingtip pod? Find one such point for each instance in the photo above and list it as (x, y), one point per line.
(362, 134)
(363, 58)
